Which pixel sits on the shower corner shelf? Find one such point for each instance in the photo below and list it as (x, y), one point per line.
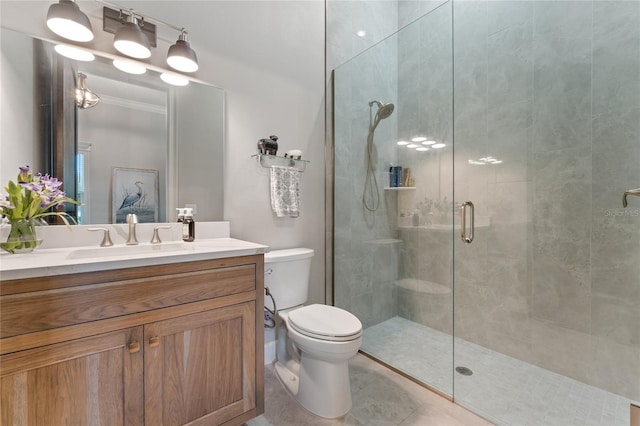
(269, 161)
(399, 188)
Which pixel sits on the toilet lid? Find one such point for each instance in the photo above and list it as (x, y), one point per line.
(325, 323)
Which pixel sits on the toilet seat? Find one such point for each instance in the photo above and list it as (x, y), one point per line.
(325, 322)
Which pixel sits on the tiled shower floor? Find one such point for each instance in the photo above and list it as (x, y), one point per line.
(502, 389)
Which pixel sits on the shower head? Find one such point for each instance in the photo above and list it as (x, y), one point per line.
(384, 111)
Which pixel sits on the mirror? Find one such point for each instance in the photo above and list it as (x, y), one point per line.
(158, 144)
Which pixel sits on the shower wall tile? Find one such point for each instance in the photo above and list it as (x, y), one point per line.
(509, 138)
(411, 10)
(510, 62)
(616, 367)
(506, 14)
(616, 61)
(561, 235)
(345, 18)
(616, 320)
(561, 350)
(562, 75)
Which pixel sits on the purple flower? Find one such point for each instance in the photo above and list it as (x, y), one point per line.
(24, 173)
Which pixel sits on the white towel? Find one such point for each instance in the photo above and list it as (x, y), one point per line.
(285, 191)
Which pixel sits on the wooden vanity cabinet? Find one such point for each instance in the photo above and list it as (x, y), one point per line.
(190, 355)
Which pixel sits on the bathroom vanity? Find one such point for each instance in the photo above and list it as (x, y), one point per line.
(157, 339)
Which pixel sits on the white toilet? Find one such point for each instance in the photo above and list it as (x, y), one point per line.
(315, 342)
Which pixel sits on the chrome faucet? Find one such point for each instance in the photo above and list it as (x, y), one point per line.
(132, 219)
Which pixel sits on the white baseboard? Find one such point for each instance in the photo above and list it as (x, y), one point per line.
(270, 352)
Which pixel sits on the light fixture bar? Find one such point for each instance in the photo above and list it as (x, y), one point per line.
(146, 18)
(112, 22)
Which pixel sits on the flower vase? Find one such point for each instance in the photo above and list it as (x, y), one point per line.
(22, 237)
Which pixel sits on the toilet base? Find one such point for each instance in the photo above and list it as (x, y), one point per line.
(322, 388)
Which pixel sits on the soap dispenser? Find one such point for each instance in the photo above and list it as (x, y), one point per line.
(180, 214)
(188, 225)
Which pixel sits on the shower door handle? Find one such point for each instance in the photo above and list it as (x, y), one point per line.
(463, 222)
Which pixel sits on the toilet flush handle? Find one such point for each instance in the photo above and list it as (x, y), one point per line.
(268, 271)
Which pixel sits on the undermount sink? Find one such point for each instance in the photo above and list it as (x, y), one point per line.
(86, 253)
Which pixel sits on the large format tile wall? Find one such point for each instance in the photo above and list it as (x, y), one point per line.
(365, 245)
(365, 255)
(553, 90)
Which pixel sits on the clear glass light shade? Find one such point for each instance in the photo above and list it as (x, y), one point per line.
(67, 20)
(129, 67)
(131, 41)
(85, 98)
(75, 53)
(181, 57)
(174, 79)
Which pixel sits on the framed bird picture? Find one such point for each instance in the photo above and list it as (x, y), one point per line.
(134, 191)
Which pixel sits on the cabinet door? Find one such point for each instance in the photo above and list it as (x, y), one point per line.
(201, 368)
(90, 381)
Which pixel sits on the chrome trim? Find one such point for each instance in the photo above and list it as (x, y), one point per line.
(635, 192)
(463, 222)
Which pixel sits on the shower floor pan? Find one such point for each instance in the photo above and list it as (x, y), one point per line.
(501, 389)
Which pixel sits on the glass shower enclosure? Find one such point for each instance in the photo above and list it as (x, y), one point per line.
(528, 114)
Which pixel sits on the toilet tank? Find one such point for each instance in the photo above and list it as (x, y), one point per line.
(287, 276)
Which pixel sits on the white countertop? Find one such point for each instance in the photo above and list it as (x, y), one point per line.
(70, 250)
(70, 260)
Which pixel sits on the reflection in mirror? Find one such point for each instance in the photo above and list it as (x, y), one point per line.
(135, 123)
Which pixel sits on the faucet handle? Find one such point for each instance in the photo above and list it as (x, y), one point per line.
(106, 238)
(156, 235)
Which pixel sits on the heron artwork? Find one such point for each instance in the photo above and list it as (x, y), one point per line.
(131, 199)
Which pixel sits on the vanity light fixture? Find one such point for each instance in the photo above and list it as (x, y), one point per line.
(422, 148)
(419, 139)
(75, 53)
(402, 143)
(438, 145)
(428, 142)
(129, 67)
(174, 79)
(67, 20)
(130, 40)
(85, 98)
(181, 56)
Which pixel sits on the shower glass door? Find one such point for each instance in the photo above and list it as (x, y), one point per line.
(547, 140)
(530, 111)
(393, 264)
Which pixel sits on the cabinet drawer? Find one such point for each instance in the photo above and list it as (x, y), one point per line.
(48, 309)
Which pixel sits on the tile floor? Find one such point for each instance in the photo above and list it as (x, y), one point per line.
(502, 389)
(381, 397)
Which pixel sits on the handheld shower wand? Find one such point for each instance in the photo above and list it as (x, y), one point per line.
(371, 182)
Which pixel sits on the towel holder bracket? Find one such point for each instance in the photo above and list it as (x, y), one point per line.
(269, 161)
